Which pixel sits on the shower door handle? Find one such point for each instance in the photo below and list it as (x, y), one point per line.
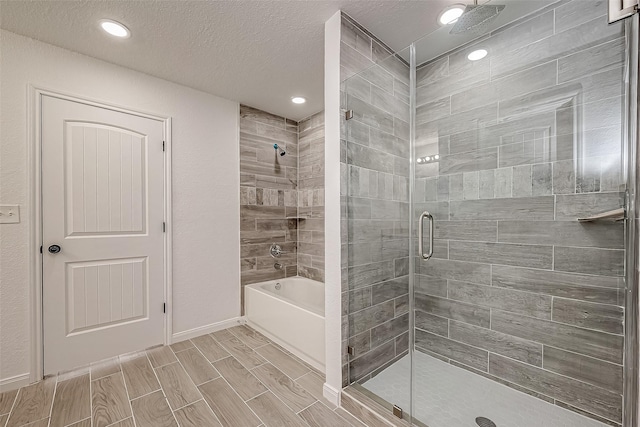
(428, 255)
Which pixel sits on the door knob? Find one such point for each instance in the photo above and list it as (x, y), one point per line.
(54, 249)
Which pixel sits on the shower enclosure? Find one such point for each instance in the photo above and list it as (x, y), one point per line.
(488, 265)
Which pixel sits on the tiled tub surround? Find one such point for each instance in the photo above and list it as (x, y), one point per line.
(311, 197)
(268, 194)
(518, 291)
(375, 200)
(271, 189)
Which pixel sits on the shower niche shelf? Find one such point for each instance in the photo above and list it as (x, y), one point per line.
(614, 215)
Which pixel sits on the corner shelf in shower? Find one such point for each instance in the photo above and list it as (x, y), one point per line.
(614, 215)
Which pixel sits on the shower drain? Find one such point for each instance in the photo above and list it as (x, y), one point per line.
(485, 422)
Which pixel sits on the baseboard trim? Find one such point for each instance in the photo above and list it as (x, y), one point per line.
(12, 383)
(206, 329)
(331, 394)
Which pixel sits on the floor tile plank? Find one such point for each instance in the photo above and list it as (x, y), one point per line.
(6, 401)
(124, 423)
(152, 410)
(72, 401)
(243, 353)
(196, 415)
(349, 417)
(227, 405)
(210, 348)
(104, 368)
(314, 384)
(109, 400)
(250, 337)
(242, 381)
(3, 419)
(294, 396)
(161, 356)
(177, 385)
(197, 366)
(283, 361)
(318, 415)
(138, 375)
(274, 413)
(40, 423)
(83, 423)
(33, 403)
(181, 346)
(222, 335)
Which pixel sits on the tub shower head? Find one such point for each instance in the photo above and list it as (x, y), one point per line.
(476, 18)
(277, 147)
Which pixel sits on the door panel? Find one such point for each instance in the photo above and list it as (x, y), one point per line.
(103, 204)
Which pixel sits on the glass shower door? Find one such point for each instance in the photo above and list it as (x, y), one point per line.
(519, 313)
(375, 200)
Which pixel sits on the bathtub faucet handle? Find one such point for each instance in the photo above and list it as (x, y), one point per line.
(278, 266)
(275, 251)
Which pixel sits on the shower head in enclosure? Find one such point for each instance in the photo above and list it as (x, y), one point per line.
(476, 18)
(277, 147)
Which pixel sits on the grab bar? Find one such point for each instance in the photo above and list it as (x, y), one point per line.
(424, 215)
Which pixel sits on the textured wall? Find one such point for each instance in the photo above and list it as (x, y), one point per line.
(311, 197)
(268, 195)
(205, 273)
(529, 139)
(375, 245)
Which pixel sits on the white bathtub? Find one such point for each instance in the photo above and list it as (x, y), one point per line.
(292, 316)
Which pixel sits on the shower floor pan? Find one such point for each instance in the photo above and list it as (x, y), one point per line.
(448, 396)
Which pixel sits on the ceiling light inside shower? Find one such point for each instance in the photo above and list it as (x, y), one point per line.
(451, 14)
(298, 100)
(477, 55)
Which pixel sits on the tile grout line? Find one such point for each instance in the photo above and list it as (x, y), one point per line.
(196, 386)
(126, 389)
(53, 399)
(13, 404)
(161, 388)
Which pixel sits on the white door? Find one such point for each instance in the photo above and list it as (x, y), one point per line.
(103, 206)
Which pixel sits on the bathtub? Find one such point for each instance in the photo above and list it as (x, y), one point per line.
(292, 316)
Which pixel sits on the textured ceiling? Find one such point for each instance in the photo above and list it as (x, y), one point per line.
(256, 52)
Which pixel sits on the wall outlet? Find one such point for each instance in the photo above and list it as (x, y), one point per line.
(9, 214)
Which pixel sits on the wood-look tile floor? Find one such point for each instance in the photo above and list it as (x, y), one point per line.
(233, 378)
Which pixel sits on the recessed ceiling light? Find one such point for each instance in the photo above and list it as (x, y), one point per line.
(477, 55)
(114, 28)
(450, 14)
(298, 100)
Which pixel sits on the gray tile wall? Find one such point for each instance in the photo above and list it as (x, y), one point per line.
(268, 195)
(529, 139)
(375, 244)
(311, 197)
(281, 197)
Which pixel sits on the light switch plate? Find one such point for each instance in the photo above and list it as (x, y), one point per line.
(9, 214)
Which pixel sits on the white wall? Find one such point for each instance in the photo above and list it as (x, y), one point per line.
(206, 218)
(332, 248)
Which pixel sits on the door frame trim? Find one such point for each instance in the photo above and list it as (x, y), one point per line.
(34, 169)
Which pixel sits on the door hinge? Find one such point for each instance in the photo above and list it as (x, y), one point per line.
(397, 411)
(164, 227)
(348, 115)
(164, 307)
(162, 145)
(351, 351)
(40, 249)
